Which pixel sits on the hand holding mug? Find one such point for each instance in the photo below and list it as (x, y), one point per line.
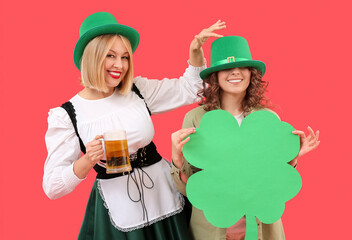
(94, 150)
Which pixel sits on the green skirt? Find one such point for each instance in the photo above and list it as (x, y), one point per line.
(97, 225)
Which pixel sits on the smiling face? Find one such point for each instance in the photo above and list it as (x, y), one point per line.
(216, 89)
(116, 63)
(234, 81)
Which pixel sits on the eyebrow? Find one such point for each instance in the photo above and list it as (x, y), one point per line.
(115, 52)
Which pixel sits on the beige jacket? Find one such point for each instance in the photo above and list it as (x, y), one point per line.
(201, 229)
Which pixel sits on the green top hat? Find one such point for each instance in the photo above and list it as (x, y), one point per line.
(98, 24)
(230, 52)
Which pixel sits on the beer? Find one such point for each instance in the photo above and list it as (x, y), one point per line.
(116, 151)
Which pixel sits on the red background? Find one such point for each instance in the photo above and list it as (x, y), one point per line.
(305, 44)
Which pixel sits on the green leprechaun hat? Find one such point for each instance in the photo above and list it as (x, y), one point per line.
(98, 24)
(230, 52)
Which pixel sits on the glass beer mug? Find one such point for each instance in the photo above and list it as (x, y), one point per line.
(116, 151)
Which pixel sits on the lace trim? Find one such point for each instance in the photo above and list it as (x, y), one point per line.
(130, 229)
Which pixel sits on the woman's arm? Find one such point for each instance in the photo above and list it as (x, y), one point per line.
(64, 167)
(196, 55)
(63, 150)
(168, 94)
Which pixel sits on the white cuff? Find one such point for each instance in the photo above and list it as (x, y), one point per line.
(70, 179)
(198, 69)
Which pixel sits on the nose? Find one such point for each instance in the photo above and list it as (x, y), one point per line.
(235, 71)
(118, 63)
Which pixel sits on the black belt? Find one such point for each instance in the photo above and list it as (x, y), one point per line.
(144, 157)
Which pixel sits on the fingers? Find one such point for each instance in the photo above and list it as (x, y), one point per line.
(95, 141)
(301, 134)
(94, 144)
(179, 139)
(311, 135)
(181, 134)
(183, 142)
(209, 32)
(187, 132)
(307, 143)
(97, 137)
(94, 149)
(217, 26)
(317, 136)
(316, 144)
(206, 33)
(314, 141)
(95, 156)
(312, 138)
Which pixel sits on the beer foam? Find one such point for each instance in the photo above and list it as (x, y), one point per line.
(115, 135)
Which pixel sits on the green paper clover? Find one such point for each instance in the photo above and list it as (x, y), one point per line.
(245, 169)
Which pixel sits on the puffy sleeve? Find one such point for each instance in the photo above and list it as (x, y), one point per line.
(168, 94)
(63, 150)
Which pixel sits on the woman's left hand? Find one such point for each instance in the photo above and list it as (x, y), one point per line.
(307, 143)
(206, 33)
(196, 55)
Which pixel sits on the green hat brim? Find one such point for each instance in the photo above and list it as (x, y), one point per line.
(249, 63)
(131, 34)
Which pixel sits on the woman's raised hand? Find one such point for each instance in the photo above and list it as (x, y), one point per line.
(206, 33)
(196, 55)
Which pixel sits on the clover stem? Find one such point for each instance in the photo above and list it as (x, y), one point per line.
(251, 228)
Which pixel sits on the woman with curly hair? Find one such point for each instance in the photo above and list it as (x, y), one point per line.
(254, 96)
(233, 83)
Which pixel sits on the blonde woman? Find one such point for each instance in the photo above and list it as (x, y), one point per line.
(145, 203)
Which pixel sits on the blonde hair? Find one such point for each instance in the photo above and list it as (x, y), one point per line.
(92, 64)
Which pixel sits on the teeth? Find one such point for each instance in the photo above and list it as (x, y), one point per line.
(115, 74)
(235, 81)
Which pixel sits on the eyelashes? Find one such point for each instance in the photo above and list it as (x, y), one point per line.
(113, 56)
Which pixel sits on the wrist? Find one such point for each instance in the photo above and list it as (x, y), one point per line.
(82, 166)
(78, 170)
(178, 163)
(195, 45)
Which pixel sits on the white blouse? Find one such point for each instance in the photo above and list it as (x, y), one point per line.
(94, 117)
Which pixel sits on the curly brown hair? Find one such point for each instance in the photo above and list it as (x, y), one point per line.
(254, 98)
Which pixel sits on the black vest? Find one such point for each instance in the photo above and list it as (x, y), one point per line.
(146, 155)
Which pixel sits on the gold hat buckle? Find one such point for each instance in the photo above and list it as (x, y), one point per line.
(231, 59)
